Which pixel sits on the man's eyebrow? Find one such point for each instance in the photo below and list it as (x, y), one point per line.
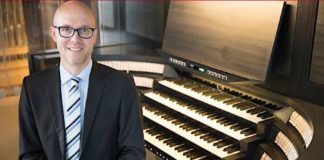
(64, 26)
(84, 26)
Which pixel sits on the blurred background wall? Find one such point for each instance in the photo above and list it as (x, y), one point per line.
(24, 29)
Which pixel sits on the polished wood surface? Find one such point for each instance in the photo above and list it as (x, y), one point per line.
(317, 71)
(236, 37)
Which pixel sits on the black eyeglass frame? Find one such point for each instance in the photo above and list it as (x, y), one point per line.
(74, 30)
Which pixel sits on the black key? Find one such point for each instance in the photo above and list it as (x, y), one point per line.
(232, 101)
(183, 148)
(232, 149)
(228, 123)
(205, 137)
(244, 105)
(265, 115)
(177, 122)
(213, 117)
(178, 148)
(221, 97)
(221, 121)
(162, 136)
(209, 92)
(246, 97)
(198, 132)
(200, 89)
(273, 107)
(255, 110)
(248, 131)
(202, 111)
(220, 144)
(238, 127)
(258, 101)
(212, 139)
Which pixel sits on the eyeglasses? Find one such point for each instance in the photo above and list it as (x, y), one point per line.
(68, 32)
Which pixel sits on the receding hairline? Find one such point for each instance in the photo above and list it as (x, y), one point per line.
(69, 5)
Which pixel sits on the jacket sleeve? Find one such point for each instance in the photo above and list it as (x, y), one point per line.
(30, 147)
(130, 137)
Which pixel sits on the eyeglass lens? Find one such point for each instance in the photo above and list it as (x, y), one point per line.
(69, 32)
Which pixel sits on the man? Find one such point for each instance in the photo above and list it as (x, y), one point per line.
(79, 109)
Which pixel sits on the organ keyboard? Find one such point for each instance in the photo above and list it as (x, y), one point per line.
(249, 111)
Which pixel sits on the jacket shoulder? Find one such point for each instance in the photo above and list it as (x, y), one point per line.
(41, 76)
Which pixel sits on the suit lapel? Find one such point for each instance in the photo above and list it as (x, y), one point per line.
(95, 89)
(54, 95)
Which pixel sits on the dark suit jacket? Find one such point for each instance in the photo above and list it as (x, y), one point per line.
(112, 126)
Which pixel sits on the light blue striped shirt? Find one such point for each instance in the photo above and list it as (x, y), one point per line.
(83, 85)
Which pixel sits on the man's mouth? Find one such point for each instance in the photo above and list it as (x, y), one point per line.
(74, 48)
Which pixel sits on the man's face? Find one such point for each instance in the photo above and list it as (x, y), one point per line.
(74, 51)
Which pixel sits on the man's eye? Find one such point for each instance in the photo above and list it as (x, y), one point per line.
(84, 30)
(67, 30)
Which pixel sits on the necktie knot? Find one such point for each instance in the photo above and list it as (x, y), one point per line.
(75, 81)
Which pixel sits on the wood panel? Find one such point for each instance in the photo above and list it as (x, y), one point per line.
(236, 37)
(317, 65)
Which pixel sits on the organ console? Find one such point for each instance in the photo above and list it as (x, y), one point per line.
(210, 93)
(222, 120)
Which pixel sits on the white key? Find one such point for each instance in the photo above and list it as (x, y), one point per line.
(212, 102)
(203, 119)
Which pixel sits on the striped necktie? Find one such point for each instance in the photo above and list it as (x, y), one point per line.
(73, 121)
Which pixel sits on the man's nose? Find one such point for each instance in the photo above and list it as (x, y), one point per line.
(75, 36)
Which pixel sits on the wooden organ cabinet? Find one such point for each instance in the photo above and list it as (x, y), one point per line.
(230, 81)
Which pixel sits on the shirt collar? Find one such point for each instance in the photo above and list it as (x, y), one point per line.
(83, 75)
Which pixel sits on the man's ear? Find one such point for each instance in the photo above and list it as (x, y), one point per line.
(52, 32)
